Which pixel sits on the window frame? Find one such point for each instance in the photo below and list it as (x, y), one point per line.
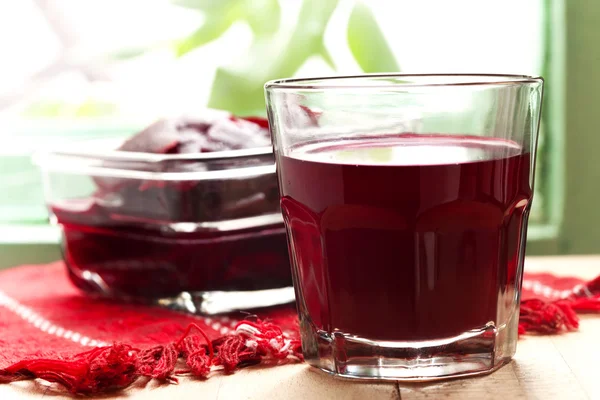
(544, 237)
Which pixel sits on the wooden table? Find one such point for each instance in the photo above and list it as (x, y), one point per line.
(566, 366)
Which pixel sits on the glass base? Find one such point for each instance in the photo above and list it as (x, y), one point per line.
(478, 351)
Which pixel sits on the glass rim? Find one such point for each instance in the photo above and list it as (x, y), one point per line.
(104, 149)
(79, 159)
(371, 81)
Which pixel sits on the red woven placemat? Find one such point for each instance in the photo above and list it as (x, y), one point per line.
(52, 331)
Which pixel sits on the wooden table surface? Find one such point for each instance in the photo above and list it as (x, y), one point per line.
(565, 366)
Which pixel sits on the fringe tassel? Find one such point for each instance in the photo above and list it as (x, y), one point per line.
(112, 368)
(547, 317)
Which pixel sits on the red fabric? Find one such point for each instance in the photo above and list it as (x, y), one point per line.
(52, 331)
(549, 303)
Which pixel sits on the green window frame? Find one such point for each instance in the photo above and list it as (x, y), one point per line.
(547, 218)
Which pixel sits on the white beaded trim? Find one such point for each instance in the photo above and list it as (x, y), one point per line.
(225, 326)
(541, 289)
(44, 325)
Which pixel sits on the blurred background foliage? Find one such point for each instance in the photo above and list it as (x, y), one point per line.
(144, 58)
(275, 52)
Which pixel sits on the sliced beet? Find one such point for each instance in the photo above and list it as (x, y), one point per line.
(127, 233)
(160, 137)
(190, 201)
(186, 135)
(262, 122)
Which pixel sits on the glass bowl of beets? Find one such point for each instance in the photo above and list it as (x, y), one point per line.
(189, 204)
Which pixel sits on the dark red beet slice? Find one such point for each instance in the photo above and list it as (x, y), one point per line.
(200, 135)
(312, 115)
(262, 122)
(123, 233)
(160, 137)
(190, 201)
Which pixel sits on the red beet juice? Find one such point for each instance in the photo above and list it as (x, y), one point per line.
(405, 237)
(127, 261)
(108, 253)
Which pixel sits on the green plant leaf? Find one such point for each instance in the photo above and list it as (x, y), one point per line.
(239, 88)
(367, 43)
(130, 52)
(47, 108)
(96, 108)
(263, 16)
(307, 39)
(211, 30)
(204, 5)
(237, 94)
(327, 57)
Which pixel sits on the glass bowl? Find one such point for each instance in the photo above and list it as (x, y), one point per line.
(155, 225)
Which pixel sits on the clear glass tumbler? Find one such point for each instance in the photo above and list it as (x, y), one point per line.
(406, 199)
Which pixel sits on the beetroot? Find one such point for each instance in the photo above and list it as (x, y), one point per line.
(156, 237)
(187, 135)
(193, 201)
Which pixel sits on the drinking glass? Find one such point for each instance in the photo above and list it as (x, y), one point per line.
(405, 200)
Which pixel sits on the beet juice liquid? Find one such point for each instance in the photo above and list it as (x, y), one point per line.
(406, 237)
